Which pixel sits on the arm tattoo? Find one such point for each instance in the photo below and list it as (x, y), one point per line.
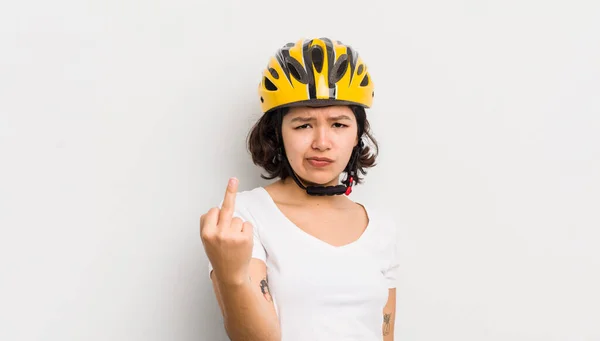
(386, 324)
(264, 287)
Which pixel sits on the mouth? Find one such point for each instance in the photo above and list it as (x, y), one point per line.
(319, 161)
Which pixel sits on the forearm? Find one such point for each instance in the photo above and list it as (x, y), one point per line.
(388, 327)
(248, 316)
(389, 316)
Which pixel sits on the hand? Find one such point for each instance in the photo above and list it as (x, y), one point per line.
(227, 241)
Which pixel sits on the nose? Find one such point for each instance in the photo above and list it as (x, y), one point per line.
(321, 140)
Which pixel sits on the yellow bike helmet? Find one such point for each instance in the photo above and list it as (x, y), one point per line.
(315, 72)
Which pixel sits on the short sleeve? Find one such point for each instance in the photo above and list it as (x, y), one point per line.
(392, 272)
(258, 250)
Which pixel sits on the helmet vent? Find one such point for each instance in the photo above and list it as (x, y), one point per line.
(269, 85)
(274, 73)
(365, 80)
(317, 57)
(297, 70)
(360, 70)
(339, 69)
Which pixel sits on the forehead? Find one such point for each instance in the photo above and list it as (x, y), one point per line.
(320, 112)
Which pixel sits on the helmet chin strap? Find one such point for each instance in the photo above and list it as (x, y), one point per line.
(346, 188)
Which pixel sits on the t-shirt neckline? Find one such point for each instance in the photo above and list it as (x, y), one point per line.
(314, 239)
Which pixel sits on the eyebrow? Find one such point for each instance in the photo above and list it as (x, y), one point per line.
(309, 119)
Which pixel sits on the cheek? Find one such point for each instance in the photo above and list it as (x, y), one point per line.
(348, 146)
(347, 139)
(297, 145)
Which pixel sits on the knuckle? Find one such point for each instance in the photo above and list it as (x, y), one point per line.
(222, 237)
(207, 235)
(236, 223)
(239, 239)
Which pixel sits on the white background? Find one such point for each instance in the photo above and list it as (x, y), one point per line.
(121, 121)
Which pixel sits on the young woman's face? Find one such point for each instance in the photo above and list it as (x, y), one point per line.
(319, 142)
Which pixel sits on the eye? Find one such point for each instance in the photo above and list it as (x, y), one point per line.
(304, 126)
(339, 125)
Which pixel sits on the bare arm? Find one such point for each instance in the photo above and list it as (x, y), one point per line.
(237, 277)
(247, 307)
(389, 316)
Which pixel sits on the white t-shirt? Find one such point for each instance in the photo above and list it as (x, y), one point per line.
(320, 291)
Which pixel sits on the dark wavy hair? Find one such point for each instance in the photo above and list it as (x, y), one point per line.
(264, 144)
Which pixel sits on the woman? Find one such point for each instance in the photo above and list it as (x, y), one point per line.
(297, 259)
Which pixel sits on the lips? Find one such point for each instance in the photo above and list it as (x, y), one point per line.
(319, 161)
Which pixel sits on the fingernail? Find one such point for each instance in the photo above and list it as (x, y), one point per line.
(232, 181)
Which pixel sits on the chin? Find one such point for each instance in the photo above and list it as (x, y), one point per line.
(321, 179)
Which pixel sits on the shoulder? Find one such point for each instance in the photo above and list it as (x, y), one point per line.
(388, 234)
(383, 218)
(247, 198)
(384, 224)
(247, 202)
